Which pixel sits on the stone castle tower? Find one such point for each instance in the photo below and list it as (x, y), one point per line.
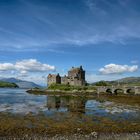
(53, 78)
(76, 77)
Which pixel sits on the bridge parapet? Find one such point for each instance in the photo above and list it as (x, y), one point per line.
(112, 89)
(137, 89)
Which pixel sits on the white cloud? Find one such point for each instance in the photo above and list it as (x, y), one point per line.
(32, 65)
(28, 69)
(23, 72)
(117, 69)
(6, 66)
(27, 65)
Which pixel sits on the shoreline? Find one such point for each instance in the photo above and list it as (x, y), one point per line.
(120, 98)
(77, 136)
(60, 92)
(76, 92)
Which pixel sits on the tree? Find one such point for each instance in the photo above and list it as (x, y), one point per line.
(101, 83)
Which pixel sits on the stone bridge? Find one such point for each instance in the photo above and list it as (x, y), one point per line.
(116, 89)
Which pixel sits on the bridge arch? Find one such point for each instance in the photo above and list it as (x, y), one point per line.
(109, 90)
(118, 91)
(130, 91)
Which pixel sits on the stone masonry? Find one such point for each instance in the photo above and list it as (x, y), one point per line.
(76, 77)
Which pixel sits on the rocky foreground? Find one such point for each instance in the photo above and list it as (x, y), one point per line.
(92, 136)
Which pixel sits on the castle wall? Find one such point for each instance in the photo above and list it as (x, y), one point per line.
(53, 79)
(64, 80)
(76, 77)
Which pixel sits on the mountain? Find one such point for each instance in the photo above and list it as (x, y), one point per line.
(10, 80)
(20, 83)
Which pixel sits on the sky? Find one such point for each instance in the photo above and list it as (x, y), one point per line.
(38, 37)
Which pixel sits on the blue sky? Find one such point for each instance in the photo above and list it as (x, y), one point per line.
(38, 37)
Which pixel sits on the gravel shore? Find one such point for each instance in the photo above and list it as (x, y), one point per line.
(92, 136)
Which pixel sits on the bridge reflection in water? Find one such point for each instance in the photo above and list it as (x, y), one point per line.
(66, 103)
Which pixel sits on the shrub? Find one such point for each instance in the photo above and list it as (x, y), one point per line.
(101, 83)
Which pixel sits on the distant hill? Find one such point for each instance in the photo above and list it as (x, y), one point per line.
(20, 83)
(7, 85)
(124, 81)
(129, 81)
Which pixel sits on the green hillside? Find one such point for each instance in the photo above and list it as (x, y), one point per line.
(132, 81)
(129, 81)
(7, 85)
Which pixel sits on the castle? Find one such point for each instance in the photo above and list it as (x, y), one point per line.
(76, 77)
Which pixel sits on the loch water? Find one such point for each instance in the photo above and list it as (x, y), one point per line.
(18, 101)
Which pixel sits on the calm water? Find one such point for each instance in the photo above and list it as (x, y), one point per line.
(17, 101)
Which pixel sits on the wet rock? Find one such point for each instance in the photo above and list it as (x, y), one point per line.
(94, 134)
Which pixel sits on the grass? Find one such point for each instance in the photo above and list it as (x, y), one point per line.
(64, 87)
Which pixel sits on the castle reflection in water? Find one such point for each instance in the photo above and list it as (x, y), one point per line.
(66, 103)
